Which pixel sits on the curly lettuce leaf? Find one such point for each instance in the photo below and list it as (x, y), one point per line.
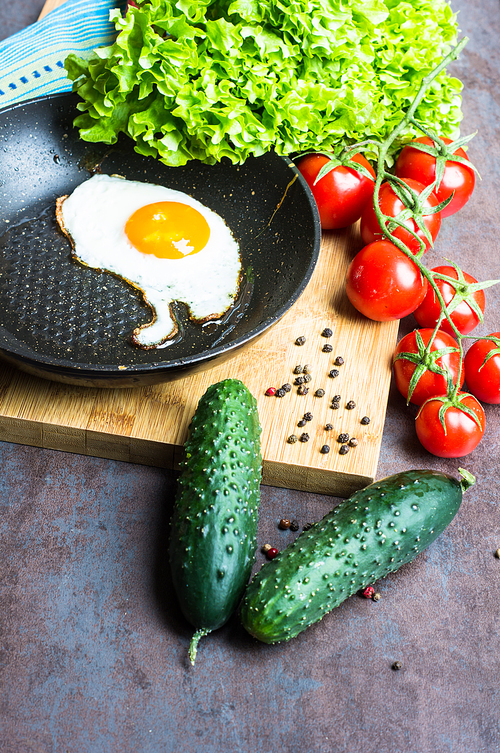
(209, 79)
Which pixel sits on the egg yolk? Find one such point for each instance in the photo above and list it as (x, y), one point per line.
(168, 229)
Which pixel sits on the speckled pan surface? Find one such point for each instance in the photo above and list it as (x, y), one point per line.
(64, 321)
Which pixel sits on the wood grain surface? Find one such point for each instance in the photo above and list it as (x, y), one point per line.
(149, 425)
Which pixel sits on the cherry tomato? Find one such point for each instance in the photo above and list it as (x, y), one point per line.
(464, 317)
(412, 163)
(391, 205)
(429, 383)
(341, 194)
(462, 433)
(383, 283)
(483, 376)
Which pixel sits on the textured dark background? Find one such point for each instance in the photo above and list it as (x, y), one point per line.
(93, 650)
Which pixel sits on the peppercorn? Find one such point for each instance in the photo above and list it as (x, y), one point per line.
(294, 525)
(327, 332)
(270, 391)
(308, 416)
(365, 420)
(335, 405)
(497, 554)
(350, 405)
(328, 427)
(280, 393)
(342, 438)
(396, 665)
(300, 340)
(299, 380)
(303, 390)
(377, 597)
(336, 398)
(339, 361)
(327, 348)
(325, 449)
(302, 422)
(266, 548)
(307, 378)
(344, 449)
(287, 387)
(298, 369)
(334, 373)
(271, 553)
(284, 524)
(292, 439)
(353, 442)
(304, 437)
(368, 592)
(307, 526)
(319, 393)
(307, 368)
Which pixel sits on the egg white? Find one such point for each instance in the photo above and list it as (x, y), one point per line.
(94, 218)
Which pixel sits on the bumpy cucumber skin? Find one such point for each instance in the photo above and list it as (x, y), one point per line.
(364, 538)
(214, 525)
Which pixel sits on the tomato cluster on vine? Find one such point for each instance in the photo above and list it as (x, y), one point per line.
(400, 212)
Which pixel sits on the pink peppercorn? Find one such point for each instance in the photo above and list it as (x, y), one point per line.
(271, 553)
(368, 592)
(271, 391)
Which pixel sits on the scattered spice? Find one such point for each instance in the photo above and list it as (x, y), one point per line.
(344, 449)
(284, 524)
(396, 665)
(303, 390)
(327, 332)
(287, 387)
(271, 391)
(327, 348)
(308, 416)
(325, 449)
(307, 526)
(353, 442)
(343, 438)
(299, 380)
(292, 439)
(335, 405)
(307, 368)
(271, 553)
(336, 398)
(368, 592)
(280, 393)
(304, 437)
(319, 393)
(300, 340)
(339, 361)
(298, 369)
(365, 420)
(377, 596)
(294, 525)
(307, 378)
(302, 422)
(350, 405)
(334, 373)
(328, 427)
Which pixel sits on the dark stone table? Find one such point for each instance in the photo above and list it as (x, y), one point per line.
(93, 649)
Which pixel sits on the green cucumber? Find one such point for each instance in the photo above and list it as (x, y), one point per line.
(367, 536)
(214, 525)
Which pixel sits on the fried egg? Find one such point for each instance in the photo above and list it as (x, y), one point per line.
(160, 240)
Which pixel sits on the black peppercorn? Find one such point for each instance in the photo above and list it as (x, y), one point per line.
(334, 373)
(325, 449)
(307, 378)
(294, 525)
(307, 526)
(328, 427)
(336, 398)
(365, 420)
(353, 442)
(299, 380)
(287, 387)
(350, 405)
(335, 405)
(304, 437)
(303, 390)
(344, 449)
(343, 438)
(292, 439)
(396, 665)
(308, 416)
(298, 369)
(327, 348)
(300, 340)
(319, 393)
(307, 368)
(301, 423)
(280, 393)
(339, 361)
(327, 332)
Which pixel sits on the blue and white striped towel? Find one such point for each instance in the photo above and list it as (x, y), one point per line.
(32, 61)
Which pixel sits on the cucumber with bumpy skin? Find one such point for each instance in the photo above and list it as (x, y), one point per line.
(214, 525)
(373, 533)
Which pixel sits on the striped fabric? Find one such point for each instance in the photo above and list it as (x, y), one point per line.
(32, 61)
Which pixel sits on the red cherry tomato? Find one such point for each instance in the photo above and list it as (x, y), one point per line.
(383, 283)
(462, 434)
(482, 370)
(464, 317)
(341, 194)
(391, 205)
(417, 165)
(429, 383)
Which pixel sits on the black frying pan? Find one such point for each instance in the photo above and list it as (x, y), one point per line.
(62, 321)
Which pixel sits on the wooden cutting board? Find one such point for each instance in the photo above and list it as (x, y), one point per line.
(149, 425)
